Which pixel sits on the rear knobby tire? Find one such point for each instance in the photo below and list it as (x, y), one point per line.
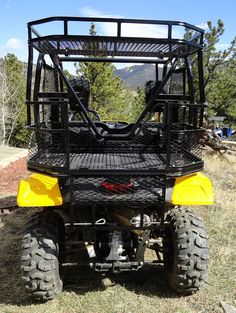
(40, 252)
(186, 252)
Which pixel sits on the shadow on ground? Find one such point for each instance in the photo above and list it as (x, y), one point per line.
(78, 279)
(148, 281)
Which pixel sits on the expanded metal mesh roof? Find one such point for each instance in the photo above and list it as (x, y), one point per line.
(170, 44)
(112, 46)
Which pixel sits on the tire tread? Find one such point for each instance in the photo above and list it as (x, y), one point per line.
(186, 270)
(40, 252)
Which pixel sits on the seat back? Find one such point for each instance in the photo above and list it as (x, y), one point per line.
(81, 86)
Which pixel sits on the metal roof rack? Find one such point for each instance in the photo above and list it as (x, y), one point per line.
(67, 45)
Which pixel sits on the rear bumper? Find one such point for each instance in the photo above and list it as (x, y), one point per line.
(43, 190)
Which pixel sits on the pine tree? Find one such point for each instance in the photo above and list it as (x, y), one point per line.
(222, 92)
(107, 94)
(13, 109)
(138, 102)
(219, 72)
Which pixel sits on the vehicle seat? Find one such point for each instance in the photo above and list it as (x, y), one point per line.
(81, 86)
(150, 88)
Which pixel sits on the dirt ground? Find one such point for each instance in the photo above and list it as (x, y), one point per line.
(11, 175)
(146, 290)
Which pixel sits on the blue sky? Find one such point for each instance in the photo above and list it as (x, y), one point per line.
(14, 14)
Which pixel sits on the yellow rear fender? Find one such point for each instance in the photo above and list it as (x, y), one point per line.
(194, 189)
(39, 190)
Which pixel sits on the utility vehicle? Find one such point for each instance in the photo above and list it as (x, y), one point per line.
(109, 188)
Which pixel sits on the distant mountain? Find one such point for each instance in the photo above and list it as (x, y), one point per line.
(133, 76)
(136, 75)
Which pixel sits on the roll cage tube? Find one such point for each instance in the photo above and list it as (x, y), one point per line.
(196, 41)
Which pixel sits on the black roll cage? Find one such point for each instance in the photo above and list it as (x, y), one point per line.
(61, 48)
(176, 152)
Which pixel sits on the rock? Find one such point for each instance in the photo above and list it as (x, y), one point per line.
(107, 282)
(227, 308)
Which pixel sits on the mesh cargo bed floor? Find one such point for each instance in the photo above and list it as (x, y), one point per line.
(101, 161)
(113, 161)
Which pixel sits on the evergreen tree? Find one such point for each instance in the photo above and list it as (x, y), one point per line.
(14, 69)
(138, 103)
(13, 109)
(219, 72)
(107, 94)
(222, 92)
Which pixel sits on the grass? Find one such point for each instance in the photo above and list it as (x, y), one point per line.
(144, 291)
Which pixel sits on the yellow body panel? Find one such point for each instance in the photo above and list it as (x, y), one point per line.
(195, 189)
(39, 190)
